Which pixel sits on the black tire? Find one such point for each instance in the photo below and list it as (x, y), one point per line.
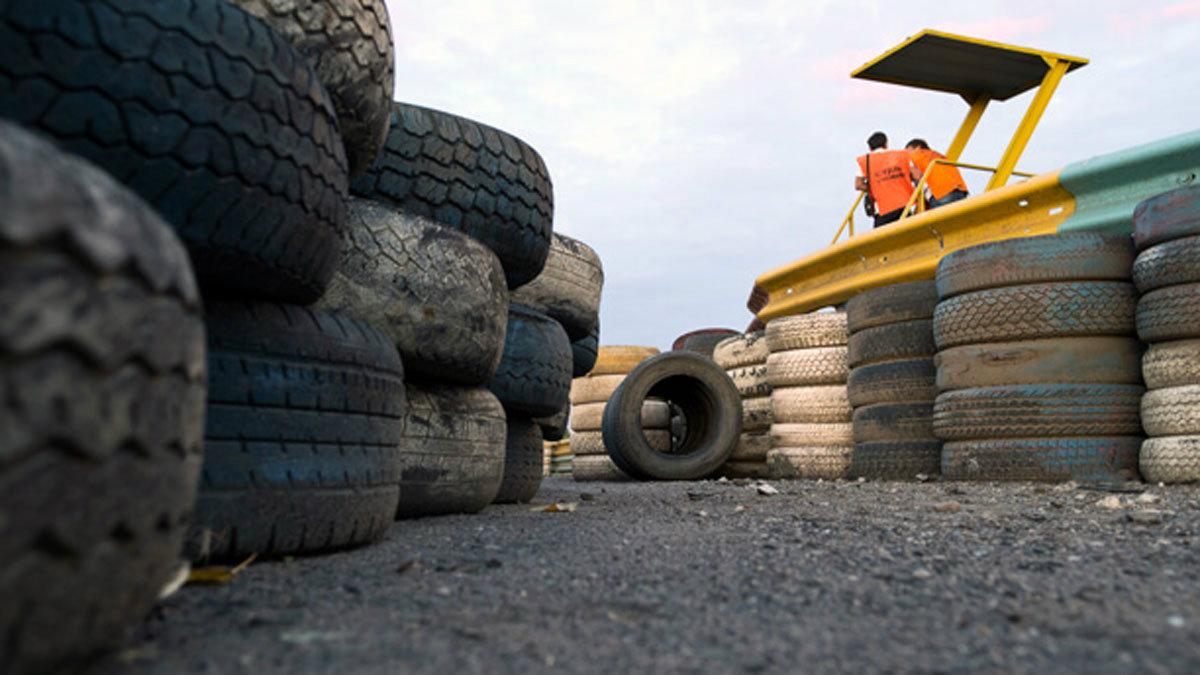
(583, 353)
(1170, 313)
(1038, 411)
(1080, 256)
(1065, 309)
(681, 341)
(891, 304)
(453, 450)
(242, 155)
(439, 294)
(568, 289)
(1087, 460)
(705, 343)
(708, 401)
(522, 461)
(894, 422)
(892, 381)
(534, 376)
(1078, 360)
(469, 176)
(892, 342)
(1168, 264)
(349, 43)
(305, 417)
(1170, 215)
(896, 460)
(102, 346)
(554, 427)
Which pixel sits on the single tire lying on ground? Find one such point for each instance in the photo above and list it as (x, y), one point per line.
(205, 112)
(349, 43)
(302, 443)
(522, 462)
(453, 450)
(568, 289)
(1078, 360)
(1083, 459)
(469, 176)
(102, 346)
(584, 352)
(534, 376)
(439, 294)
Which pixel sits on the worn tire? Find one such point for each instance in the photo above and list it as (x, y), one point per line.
(751, 381)
(756, 414)
(810, 463)
(893, 342)
(592, 468)
(807, 367)
(798, 435)
(101, 406)
(896, 460)
(804, 331)
(820, 404)
(1170, 215)
(1076, 360)
(439, 294)
(592, 442)
(594, 388)
(241, 155)
(735, 470)
(705, 397)
(702, 340)
(568, 289)
(1175, 459)
(305, 419)
(453, 449)
(1168, 264)
(1174, 411)
(470, 177)
(349, 43)
(1038, 411)
(892, 381)
(891, 304)
(534, 376)
(522, 461)
(751, 447)
(1170, 313)
(1172, 364)
(619, 360)
(740, 351)
(1092, 459)
(1080, 256)
(589, 416)
(583, 353)
(894, 422)
(554, 427)
(1035, 311)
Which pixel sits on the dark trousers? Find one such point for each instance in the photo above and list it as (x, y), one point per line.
(950, 198)
(889, 217)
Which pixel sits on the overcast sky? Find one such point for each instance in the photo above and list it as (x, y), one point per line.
(696, 144)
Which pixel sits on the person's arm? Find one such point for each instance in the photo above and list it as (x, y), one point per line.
(860, 183)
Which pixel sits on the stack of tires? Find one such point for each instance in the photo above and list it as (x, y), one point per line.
(744, 358)
(559, 458)
(589, 395)
(1038, 364)
(811, 435)
(1167, 274)
(892, 382)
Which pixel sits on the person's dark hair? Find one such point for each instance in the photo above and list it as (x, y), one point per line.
(877, 140)
(918, 143)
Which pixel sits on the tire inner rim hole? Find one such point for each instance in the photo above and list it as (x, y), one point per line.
(692, 410)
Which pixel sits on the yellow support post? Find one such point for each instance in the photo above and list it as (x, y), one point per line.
(1024, 132)
(967, 128)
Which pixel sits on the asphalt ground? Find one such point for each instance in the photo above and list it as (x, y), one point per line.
(716, 577)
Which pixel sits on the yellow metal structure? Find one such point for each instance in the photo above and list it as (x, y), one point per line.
(916, 203)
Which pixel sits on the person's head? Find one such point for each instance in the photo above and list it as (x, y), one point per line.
(877, 140)
(917, 144)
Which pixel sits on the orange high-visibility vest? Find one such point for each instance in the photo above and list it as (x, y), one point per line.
(944, 179)
(889, 181)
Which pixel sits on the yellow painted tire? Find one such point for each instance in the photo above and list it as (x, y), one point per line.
(619, 360)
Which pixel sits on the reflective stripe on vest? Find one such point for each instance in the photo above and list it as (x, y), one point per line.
(944, 179)
(889, 179)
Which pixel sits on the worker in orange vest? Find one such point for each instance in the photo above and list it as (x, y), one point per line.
(945, 183)
(887, 178)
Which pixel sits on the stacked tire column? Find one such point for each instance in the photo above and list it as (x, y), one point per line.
(811, 434)
(1167, 274)
(589, 395)
(744, 358)
(1038, 363)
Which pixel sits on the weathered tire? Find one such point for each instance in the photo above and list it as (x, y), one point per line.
(1080, 256)
(1172, 364)
(751, 381)
(583, 353)
(1170, 215)
(1093, 459)
(596, 468)
(804, 331)
(892, 381)
(756, 414)
(892, 342)
(1174, 411)
(1171, 313)
(740, 351)
(471, 177)
(799, 435)
(821, 404)
(807, 367)
(1066, 309)
(891, 304)
(894, 422)
(305, 420)
(241, 155)
(102, 410)
(589, 416)
(619, 360)
(349, 43)
(594, 388)
(522, 462)
(568, 289)
(706, 398)
(1175, 459)
(1038, 411)
(751, 447)
(592, 442)
(702, 340)
(1077, 360)
(1168, 264)
(554, 427)
(439, 294)
(896, 460)
(810, 463)
(534, 376)
(453, 449)
(745, 470)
